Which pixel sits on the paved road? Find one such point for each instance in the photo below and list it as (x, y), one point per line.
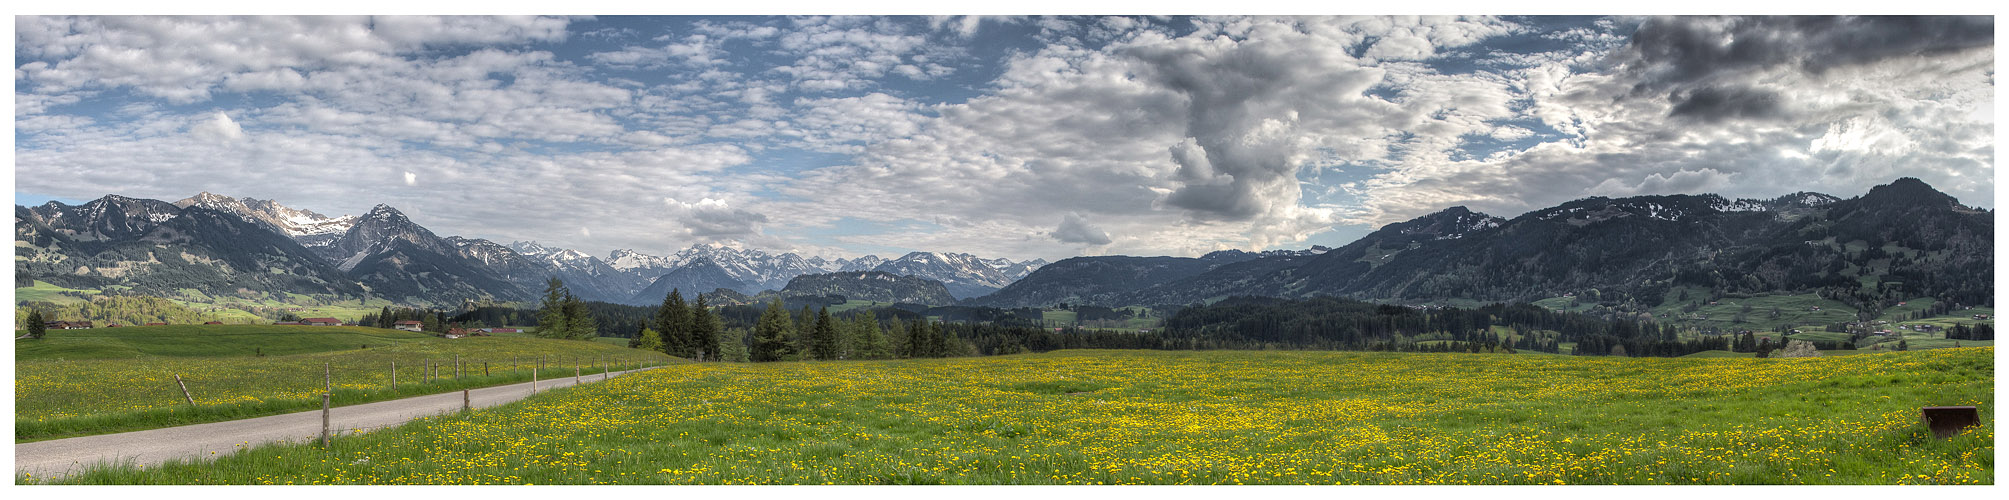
(56, 458)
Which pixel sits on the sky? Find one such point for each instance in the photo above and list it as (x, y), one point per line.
(1016, 137)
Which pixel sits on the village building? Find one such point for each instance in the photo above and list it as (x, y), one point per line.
(67, 325)
(212, 322)
(321, 322)
(410, 325)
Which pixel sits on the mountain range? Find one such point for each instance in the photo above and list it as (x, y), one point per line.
(162, 248)
(1899, 239)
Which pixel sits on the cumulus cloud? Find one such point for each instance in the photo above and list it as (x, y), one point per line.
(219, 127)
(1074, 229)
(411, 179)
(713, 219)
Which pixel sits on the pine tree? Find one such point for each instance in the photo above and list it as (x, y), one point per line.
(385, 319)
(823, 337)
(37, 327)
(918, 343)
(579, 321)
(551, 311)
(732, 345)
(649, 340)
(805, 323)
(869, 342)
(705, 330)
(771, 340)
(673, 321)
(896, 340)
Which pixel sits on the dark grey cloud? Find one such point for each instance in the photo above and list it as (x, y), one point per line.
(1074, 229)
(1714, 104)
(1672, 51)
(714, 220)
(1695, 60)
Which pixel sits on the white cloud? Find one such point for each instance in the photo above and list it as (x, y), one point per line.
(411, 179)
(218, 127)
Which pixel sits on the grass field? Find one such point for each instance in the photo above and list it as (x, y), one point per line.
(81, 382)
(1093, 417)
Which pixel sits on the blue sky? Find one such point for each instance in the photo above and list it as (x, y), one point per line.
(1016, 137)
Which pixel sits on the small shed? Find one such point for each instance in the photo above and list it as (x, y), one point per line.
(321, 322)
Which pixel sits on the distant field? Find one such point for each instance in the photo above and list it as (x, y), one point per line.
(79, 382)
(45, 292)
(227, 308)
(205, 341)
(1217, 417)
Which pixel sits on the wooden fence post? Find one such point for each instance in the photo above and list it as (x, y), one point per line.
(533, 378)
(466, 403)
(324, 420)
(184, 390)
(327, 377)
(456, 366)
(394, 375)
(484, 368)
(575, 373)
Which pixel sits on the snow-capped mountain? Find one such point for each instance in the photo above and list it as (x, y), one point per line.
(562, 258)
(754, 268)
(110, 217)
(304, 226)
(965, 275)
(865, 263)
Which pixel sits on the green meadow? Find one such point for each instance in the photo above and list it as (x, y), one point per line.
(1211, 417)
(103, 380)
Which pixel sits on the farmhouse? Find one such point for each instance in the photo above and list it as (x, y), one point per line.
(410, 325)
(212, 322)
(67, 325)
(156, 324)
(321, 322)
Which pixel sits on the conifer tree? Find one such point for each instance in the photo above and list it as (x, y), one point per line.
(673, 322)
(918, 342)
(579, 321)
(805, 322)
(823, 337)
(771, 340)
(705, 331)
(551, 311)
(896, 340)
(37, 327)
(867, 342)
(732, 345)
(385, 319)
